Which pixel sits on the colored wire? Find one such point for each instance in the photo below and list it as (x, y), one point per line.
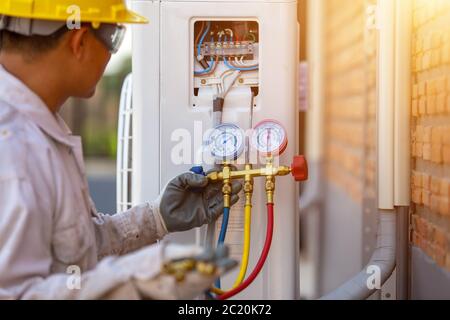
(199, 45)
(230, 31)
(240, 63)
(241, 66)
(221, 33)
(222, 234)
(236, 37)
(224, 75)
(216, 63)
(202, 74)
(250, 34)
(199, 33)
(208, 70)
(261, 261)
(230, 66)
(245, 251)
(199, 51)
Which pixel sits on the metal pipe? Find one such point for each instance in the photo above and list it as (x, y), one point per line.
(402, 265)
(391, 127)
(312, 193)
(402, 153)
(315, 115)
(311, 198)
(382, 263)
(402, 150)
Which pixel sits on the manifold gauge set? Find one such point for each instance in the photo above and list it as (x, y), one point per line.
(227, 141)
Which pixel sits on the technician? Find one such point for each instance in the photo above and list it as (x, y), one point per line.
(53, 242)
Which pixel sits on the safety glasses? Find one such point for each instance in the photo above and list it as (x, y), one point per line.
(111, 35)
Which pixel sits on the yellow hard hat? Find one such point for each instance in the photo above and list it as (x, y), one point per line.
(95, 11)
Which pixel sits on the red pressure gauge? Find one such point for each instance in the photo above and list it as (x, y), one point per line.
(269, 137)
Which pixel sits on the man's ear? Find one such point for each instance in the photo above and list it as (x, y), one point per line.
(77, 41)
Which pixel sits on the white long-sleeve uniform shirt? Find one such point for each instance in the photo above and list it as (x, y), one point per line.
(48, 222)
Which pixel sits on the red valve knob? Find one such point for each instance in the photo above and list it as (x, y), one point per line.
(299, 168)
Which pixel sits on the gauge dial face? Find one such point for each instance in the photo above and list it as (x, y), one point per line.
(226, 142)
(269, 138)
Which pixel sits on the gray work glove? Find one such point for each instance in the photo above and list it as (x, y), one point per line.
(190, 200)
(187, 272)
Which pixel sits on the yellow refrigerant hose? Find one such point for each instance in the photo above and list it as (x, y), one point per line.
(245, 251)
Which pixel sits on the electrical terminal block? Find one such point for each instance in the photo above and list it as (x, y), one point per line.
(229, 49)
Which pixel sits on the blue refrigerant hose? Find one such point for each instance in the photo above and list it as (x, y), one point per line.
(223, 229)
(225, 218)
(222, 234)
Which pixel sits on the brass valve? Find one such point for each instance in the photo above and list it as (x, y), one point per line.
(270, 188)
(298, 169)
(248, 174)
(179, 269)
(226, 188)
(268, 170)
(248, 186)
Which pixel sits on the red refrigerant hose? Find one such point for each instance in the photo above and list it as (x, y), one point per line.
(262, 258)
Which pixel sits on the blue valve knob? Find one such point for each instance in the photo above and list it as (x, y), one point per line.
(198, 170)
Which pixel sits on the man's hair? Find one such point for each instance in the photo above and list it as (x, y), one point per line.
(30, 46)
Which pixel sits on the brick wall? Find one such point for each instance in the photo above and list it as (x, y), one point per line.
(350, 97)
(430, 145)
